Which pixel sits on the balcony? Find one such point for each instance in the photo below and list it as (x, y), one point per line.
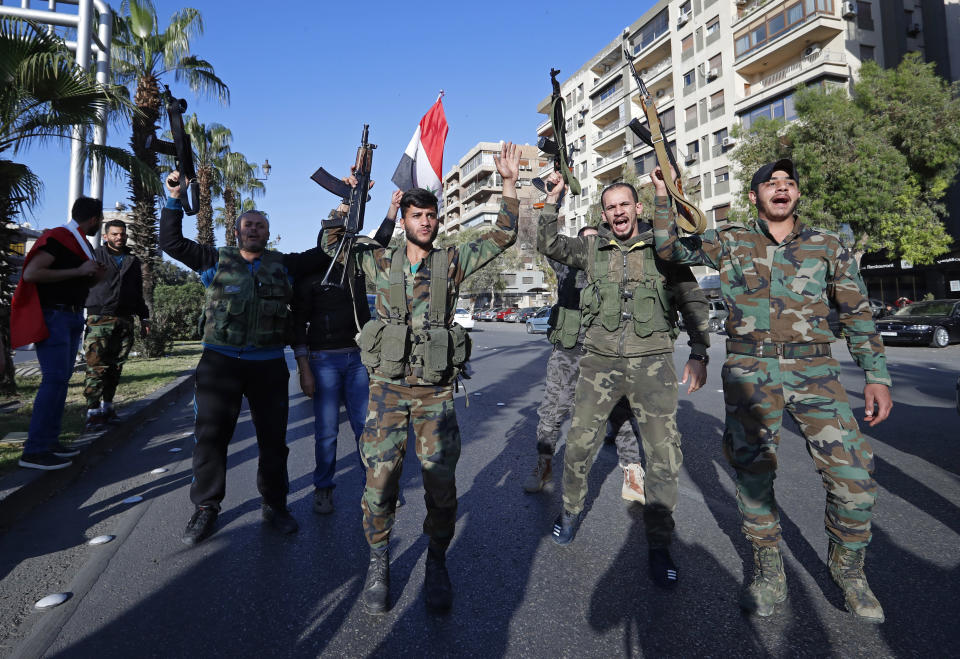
(479, 209)
(545, 129)
(610, 130)
(800, 70)
(600, 104)
(787, 44)
(483, 166)
(606, 78)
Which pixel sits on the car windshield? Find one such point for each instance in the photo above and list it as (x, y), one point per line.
(463, 311)
(932, 308)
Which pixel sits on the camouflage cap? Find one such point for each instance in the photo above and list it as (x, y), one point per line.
(766, 172)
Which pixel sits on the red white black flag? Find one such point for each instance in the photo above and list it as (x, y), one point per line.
(422, 163)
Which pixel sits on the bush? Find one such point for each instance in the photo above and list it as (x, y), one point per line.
(177, 309)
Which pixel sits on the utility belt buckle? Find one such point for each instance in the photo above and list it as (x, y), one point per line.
(626, 315)
(626, 295)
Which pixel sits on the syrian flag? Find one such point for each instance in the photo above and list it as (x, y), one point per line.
(422, 163)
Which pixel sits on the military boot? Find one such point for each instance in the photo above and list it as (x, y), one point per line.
(437, 590)
(541, 474)
(846, 568)
(376, 589)
(769, 585)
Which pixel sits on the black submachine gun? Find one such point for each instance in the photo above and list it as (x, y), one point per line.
(180, 149)
(557, 147)
(355, 197)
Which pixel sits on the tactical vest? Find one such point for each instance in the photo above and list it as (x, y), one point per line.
(565, 317)
(645, 303)
(432, 352)
(244, 309)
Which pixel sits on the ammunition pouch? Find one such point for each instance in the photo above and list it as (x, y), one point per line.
(611, 306)
(385, 347)
(566, 326)
(589, 304)
(369, 341)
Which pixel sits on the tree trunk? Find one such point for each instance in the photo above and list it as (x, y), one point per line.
(205, 212)
(143, 229)
(230, 215)
(8, 268)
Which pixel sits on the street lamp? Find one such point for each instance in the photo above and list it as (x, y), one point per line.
(266, 167)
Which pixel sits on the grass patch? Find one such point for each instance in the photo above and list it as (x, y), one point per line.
(141, 376)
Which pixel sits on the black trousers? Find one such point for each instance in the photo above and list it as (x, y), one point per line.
(221, 384)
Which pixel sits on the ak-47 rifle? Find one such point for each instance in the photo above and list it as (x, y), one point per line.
(180, 149)
(557, 147)
(355, 197)
(689, 218)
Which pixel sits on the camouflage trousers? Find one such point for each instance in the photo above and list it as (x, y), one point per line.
(107, 345)
(393, 409)
(756, 392)
(563, 369)
(649, 383)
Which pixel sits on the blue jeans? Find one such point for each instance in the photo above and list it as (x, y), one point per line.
(56, 355)
(340, 378)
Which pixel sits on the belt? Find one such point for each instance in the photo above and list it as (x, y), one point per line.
(785, 350)
(73, 308)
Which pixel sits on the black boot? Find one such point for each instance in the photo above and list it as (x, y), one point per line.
(436, 584)
(376, 589)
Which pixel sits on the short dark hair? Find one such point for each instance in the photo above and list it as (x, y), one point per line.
(115, 223)
(252, 211)
(620, 184)
(585, 228)
(417, 197)
(85, 208)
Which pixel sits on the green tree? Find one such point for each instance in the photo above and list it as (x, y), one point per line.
(490, 278)
(44, 95)
(142, 56)
(880, 159)
(170, 274)
(210, 145)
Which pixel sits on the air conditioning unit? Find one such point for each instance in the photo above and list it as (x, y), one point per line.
(811, 50)
(848, 10)
(661, 92)
(713, 74)
(644, 72)
(727, 141)
(691, 158)
(914, 30)
(683, 18)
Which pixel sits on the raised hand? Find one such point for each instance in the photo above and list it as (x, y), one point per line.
(508, 163)
(556, 186)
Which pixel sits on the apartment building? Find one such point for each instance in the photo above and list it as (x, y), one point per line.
(471, 198)
(710, 64)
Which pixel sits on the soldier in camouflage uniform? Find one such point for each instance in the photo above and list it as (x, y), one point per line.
(111, 305)
(629, 308)
(566, 333)
(779, 278)
(414, 352)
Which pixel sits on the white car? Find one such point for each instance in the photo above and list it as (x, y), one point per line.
(463, 318)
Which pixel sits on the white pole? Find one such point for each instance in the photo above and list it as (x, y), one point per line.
(79, 134)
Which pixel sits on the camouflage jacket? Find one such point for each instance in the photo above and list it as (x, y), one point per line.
(782, 293)
(375, 261)
(680, 285)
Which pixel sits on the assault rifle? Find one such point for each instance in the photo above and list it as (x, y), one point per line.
(355, 197)
(180, 149)
(689, 218)
(557, 147)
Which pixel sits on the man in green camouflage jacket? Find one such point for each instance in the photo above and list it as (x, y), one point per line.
(779, 278)
(414, 352)
(629, 308)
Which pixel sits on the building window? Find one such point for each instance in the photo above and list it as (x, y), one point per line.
(693, 148)
(780, 108)
(689, 78)
(866, 53)
(579, 92)
(609, 90)
(716, 100)
(650, 32)
(528, 280)
(668, 120)
(777, 23)
(715, 65)
(719, 136)
(646, 163)
(720, 213)
(691, 113)
(713, 25)
(721, 175)
(864, 16)
(685, 7)
(686, 45)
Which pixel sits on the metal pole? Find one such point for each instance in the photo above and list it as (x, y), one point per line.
(75, 189)
(105, 34)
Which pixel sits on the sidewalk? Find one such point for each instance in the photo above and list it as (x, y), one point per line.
(23, 489)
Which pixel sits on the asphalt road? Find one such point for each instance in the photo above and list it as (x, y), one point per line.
(249, 592)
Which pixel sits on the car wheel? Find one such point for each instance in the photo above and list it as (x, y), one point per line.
(713, 325)
(529, 328)
(941, 338)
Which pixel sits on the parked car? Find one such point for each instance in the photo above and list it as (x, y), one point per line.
(478, 311)
(718, 315)
(539, 322)
(877, 307)
(502, 313)
(527, 312)
(512, 317)
(463, 318)
(489, 314)
(932, 322)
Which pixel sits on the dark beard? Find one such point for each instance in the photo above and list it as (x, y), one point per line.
(111, 249)
(412, 237)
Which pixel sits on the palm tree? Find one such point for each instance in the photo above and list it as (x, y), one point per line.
(142, 56)
(44, 95)
(239, 177)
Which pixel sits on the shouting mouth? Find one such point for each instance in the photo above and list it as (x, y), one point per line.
(621, 224)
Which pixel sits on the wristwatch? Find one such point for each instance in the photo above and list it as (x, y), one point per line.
(701, 358)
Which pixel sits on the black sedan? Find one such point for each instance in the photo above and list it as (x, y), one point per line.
(930, 322)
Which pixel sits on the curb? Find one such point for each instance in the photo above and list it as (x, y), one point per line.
(24, 489)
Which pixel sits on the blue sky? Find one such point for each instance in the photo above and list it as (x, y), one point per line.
(305, 76)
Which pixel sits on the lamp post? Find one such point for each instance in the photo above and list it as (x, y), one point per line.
(265, 168)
